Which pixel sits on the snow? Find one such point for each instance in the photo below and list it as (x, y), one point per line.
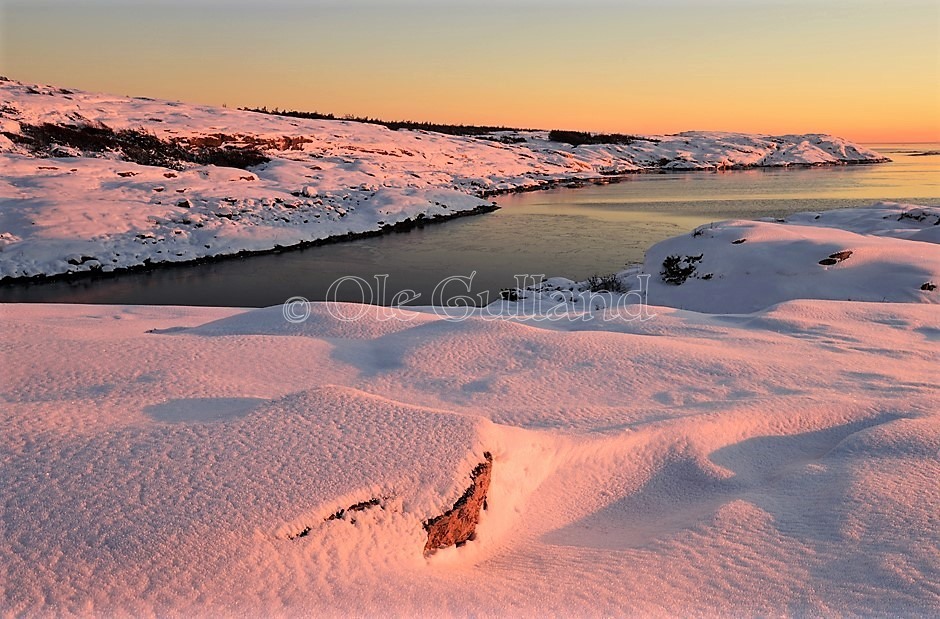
(747, 266)
(768, 461)
(885, 252)
(82, 212)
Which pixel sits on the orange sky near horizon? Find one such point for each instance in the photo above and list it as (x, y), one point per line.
(866, 70)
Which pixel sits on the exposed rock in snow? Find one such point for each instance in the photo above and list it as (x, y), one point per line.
(458, 524)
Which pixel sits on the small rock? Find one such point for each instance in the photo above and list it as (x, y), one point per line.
(836, 258)
(841, 255)
(357, 507)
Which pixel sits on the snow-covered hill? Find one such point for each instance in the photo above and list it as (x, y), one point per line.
(74, 200)
(887, 252)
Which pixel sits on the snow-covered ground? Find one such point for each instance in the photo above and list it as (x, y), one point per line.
(884, 252)
(778, 455)
(74, 210)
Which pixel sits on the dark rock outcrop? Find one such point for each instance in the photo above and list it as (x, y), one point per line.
(458, 525)
(357, 507)
(836, 258)
(346, 514)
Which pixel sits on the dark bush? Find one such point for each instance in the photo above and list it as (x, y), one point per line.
(505, 139)
(578, 138)
(47, 136)
(131, 145)
(608, 283)
(147, 149)
(677, 269)
(243, 158)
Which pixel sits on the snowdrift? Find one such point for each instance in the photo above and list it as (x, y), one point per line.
(180, 461)
(742, 266)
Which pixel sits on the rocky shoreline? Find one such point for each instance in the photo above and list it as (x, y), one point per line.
(419, 221)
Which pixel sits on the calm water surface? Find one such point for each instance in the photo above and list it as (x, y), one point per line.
(569, 232)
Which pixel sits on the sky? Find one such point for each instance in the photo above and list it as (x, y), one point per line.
(862, 69)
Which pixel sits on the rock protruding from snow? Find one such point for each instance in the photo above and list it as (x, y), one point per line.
(458, 525)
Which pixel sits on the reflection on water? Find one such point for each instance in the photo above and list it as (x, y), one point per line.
(570, 232)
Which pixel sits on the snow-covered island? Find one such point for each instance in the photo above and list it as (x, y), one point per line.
(764, 440)
(97, 183)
